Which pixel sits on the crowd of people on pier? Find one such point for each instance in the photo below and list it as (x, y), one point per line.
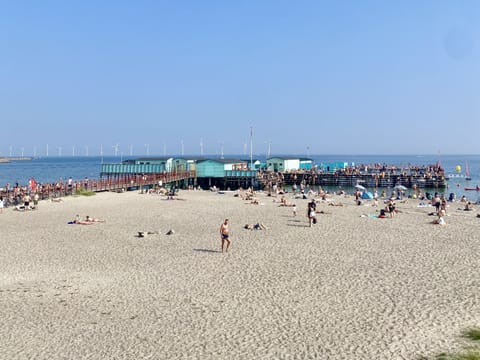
(376, 172)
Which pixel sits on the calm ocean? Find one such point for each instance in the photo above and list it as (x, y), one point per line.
(51, 169)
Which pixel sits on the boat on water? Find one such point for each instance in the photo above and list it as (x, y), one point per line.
(454, 176)
(476, 188)
(467, 172)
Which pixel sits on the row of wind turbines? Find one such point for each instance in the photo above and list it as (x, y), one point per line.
(116, 150)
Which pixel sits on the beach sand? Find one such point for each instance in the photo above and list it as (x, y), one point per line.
(350, 287)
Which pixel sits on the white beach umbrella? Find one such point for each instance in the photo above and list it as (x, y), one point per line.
(400, 187)
(360, 187)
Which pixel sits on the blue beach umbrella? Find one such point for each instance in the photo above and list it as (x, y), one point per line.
(367, 195)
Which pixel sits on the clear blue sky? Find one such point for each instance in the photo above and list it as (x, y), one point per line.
(336, 77)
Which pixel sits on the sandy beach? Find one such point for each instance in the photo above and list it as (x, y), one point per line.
(350, 287)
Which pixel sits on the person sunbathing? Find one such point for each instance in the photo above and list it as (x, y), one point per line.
(91, 219)
(286, 204)
(468, 206)
(80, 222)
(257, 226)
(332, 203)
(382, 214)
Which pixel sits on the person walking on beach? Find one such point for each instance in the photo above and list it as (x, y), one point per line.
(311, 213)
(225, 235)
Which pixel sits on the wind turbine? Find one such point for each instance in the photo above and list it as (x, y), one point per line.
(59, 151)
(269, 143)
(131, 150)
(201, 147)
(115, 148)
(86, 150)
(73, 150)
(182, 147)
(221, 149)
(147, 147)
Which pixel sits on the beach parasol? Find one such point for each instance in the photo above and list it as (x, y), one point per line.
(360, 187)
(400, 187)
(367, 195)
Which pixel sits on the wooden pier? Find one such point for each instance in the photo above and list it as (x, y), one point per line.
(367, 180)
(119, 182)
(116, 183)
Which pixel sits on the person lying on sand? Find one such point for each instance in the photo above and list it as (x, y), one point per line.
(77, 221)
(287, 204)
(332, 203)
(145, 233)
(257, 226)
(91, 219)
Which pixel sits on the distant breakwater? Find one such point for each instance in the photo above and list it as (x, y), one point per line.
(9, 159)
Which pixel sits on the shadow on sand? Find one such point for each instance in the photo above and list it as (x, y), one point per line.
(298, 225)
(207, 250)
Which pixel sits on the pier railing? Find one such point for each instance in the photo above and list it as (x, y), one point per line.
(342, 179)
(114, 182)
(117, 182)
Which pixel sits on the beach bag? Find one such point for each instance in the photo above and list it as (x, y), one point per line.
(314, 220)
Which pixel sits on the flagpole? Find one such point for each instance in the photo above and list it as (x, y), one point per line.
(251, 147)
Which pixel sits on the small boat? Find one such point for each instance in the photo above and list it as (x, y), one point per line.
(467, 173)
(451, 176)
(476, 188)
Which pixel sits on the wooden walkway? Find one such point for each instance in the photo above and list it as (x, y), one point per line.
(121, 182)
(114, 183)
